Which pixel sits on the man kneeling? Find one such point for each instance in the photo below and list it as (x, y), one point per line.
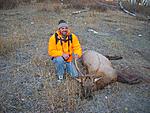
(63, 46)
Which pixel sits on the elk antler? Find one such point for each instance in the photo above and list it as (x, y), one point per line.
(76, 65)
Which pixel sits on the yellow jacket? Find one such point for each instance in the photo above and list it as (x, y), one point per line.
(55, 50)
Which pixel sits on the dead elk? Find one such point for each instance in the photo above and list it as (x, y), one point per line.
(100, 72)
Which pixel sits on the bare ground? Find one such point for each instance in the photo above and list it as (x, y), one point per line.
(27, 76)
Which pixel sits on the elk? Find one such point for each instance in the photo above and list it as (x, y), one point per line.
(99, 73)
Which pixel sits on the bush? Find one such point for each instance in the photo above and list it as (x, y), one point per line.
(9, 4)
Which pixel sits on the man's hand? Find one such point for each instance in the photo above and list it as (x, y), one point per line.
(65, 56)
(76, 56)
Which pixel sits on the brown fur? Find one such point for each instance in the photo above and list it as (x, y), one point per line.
(100, 73)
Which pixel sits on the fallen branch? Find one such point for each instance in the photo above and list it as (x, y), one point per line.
(81, 11)
(133, 14)
(146, 67)
(11, 14)
(126, 11)
(113, 57)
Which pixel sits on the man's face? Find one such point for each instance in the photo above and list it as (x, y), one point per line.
(63, 30)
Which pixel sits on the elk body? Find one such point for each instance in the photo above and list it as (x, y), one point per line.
(100, 72)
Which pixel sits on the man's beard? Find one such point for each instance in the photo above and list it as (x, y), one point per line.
(64, 33)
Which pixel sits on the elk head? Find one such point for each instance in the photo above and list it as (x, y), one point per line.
(87, 82)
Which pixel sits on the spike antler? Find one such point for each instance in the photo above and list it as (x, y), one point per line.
(76, 65)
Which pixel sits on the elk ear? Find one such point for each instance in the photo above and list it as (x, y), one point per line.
(97, 78)
(78, 79)
(81, 79)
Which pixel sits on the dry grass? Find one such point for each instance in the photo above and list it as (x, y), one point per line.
(60, 97)
(48, 7)
(63, 97)
(57, 5)
(38, 75)
(10, 44)
(92, 4)
(9, 4)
